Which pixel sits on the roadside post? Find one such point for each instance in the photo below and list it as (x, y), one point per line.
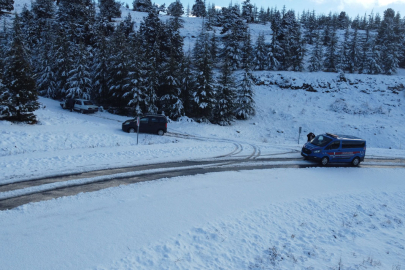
(138, 122)
(299, 134)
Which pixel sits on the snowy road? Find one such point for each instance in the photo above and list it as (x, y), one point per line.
(33, 190)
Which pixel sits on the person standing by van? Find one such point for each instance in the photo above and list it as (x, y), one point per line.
(310, 136)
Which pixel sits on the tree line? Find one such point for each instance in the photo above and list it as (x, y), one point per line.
(71, 49)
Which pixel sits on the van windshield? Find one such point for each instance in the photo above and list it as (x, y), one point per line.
(321, 140)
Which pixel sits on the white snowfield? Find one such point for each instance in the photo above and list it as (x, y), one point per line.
(313, 218)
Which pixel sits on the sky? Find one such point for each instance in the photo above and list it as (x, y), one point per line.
(351, 7)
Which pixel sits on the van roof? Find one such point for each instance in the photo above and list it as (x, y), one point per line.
(343, 137)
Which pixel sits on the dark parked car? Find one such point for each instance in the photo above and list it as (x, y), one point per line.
(151, 123)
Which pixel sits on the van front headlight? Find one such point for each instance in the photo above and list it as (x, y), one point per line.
(317, 151)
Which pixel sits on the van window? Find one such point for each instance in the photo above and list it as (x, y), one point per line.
(334, 145)
(321, 140)
(144, 120)
(154, 120)
(353, 144)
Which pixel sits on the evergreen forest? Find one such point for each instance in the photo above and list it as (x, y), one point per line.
(79, 49)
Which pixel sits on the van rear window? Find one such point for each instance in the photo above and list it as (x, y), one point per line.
(353, 144)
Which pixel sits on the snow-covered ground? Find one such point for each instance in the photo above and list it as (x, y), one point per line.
(313, 218)
(319, 218)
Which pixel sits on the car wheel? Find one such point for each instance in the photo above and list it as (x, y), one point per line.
(160, 132)
(324, 161)
(356, 161)
(131, 130)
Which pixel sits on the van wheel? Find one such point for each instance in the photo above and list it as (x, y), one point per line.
(131, 130)
(160, 132)
(324, 161)
(356, 161)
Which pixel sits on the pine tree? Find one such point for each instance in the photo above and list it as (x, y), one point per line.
(187, 84)
(204, 91)
(316, 59)
(43, 12)
(354, 52)
(331, 57)
(343, 52)
(142, 5)
(118, 61)
(76, 17)
(389, 43)
(223, 113)
(244, 107)
(297, 50)
(18, 97)
(46, 78)
(100, 69)
(171, 102)
(231, 49)
(79, 83)
(109, 9)
(175, 9)
(6, 6)
(199, 9)
(247, 11)
(152, 78)
(275, 46)
(136, 74)
(260, 60)
(373, 61)
(63, 61)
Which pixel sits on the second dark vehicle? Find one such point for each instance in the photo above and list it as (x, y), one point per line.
(151, 123)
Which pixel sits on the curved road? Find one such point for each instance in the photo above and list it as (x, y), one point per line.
(244, 156)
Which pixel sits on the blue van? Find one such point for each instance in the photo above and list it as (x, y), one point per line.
(329, 147)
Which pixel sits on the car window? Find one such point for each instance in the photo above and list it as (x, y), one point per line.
(144, 120)
(321, 140)
(78, 102)
(88, 103)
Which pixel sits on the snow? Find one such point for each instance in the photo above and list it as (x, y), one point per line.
(312, 218)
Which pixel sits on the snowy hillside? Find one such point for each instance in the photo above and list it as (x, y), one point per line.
(281, 218)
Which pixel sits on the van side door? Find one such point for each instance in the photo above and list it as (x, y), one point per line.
(333, 150)
(144, 124)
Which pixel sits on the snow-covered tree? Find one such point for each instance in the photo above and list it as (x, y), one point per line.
(260, 60)
(331, 57)
(354, 52)
(244, 105)
(79, 83)
(388, 41)
(316, 58)
(199, 9)
(203, 94)
(18, 97)
(46, 78)
(247, 11)
(232, 49)
(109, 9)
(6, 6)
(175, 9)
(142, 5)
(223, 113)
